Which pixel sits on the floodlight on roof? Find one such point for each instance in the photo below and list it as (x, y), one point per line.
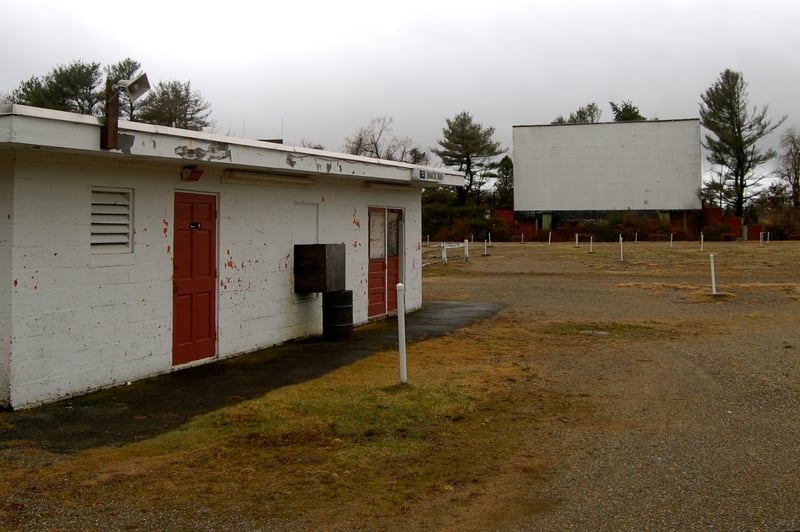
(134, 88)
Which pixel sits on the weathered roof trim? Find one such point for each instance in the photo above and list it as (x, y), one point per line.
(22, 125)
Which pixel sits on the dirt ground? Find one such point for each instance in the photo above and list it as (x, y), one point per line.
(682, 408)
(613, 395)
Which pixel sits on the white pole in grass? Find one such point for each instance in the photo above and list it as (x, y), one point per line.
(444, 252)
(576, 240)
(713, 277)
(701, 241)
(621, 250)
(490, 239)
(485, 248)
(767, 237)
(591, 242)
(636, 237)
(466, 250)
(549, 237)
(401, 330)
(670, 240)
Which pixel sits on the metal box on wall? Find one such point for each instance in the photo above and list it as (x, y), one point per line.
(319, 268)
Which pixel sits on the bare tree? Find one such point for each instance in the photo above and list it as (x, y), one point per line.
(375, 140)
(789, 164)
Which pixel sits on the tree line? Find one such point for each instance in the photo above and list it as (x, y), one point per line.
(80, 87)
(733, 131)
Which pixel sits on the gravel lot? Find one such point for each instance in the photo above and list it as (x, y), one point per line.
(633, 398)
(686, 404)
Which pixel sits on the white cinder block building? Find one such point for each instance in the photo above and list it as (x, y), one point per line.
(178, 248)
(618, 166)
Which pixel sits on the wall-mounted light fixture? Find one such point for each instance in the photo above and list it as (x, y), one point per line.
(259, 178)
(396, 187)
(134, 88)
(191, 173)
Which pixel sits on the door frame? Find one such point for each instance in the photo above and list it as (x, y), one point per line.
(388, 309)
(214, 263)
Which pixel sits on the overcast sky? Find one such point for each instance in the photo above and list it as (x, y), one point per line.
(317, 70)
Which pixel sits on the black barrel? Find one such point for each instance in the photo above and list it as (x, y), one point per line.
(337, 314)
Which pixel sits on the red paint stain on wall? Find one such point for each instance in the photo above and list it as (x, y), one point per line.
(16, 282)
(356, 221)
(166, 226)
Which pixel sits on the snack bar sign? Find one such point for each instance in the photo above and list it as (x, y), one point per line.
(430, 175)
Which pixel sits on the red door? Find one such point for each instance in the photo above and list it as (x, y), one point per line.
(194, 273)
(384, 260)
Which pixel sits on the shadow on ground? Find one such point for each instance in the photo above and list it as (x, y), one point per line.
(127, 414)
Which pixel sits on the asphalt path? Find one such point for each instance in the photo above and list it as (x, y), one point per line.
(129, 413)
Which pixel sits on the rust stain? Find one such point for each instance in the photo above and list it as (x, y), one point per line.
(356, 221)
(16, 282)
(169, 249)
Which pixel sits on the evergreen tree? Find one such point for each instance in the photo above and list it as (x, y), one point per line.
(625, 112)
(468, 146)
(505, 183)
(74, 88)
(586, 114)
(175, 104)
(734, 132)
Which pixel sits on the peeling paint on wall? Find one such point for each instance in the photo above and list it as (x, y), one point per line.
(215, 151)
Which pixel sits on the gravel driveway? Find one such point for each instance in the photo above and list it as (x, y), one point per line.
(686, 406)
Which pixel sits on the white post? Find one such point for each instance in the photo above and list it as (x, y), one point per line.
(490, 239)
(767, 237)
(713, 277)
(576, 240)
(701, 241)
(466, 249)
(401, 330)
(621, 250)
(591, 242)
(444, 252)
(485, 248)
(761, 238)
(549, 236)
(670, 240)
(636, 237)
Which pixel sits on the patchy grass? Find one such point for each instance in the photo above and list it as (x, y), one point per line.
(467, 444)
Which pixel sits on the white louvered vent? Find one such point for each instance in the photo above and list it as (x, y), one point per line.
(112, 220)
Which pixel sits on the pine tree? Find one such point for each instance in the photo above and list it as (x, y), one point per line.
(468, 146)
(734, 132)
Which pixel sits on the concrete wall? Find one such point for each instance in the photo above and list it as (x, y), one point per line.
(81, 320)
(6, 217)
(650, 165)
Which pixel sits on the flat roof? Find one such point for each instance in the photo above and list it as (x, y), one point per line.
(26, 127)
